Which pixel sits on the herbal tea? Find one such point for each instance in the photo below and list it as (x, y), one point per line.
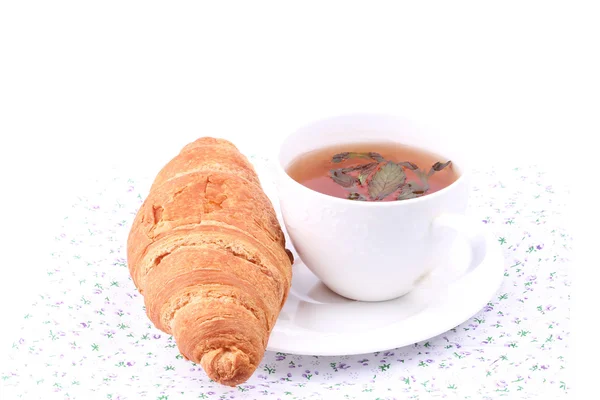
(372, 171)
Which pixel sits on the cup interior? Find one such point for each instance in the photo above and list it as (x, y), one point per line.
(363, 128)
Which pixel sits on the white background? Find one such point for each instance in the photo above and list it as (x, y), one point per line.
(85, 86)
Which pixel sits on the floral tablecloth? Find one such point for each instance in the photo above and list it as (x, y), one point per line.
(87, 336)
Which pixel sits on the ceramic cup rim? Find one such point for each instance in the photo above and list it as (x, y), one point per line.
(460, 169)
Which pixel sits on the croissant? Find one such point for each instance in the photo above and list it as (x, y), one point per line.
(208, 255)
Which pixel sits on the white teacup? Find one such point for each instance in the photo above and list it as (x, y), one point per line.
(372, 251)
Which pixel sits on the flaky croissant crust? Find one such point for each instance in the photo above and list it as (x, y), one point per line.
(208, 254)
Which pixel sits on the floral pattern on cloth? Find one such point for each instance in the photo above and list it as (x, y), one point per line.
(87, 335)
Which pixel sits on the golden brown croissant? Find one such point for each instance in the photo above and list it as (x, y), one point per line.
(208, 254)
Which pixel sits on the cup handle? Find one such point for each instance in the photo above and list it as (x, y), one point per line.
(470, 230)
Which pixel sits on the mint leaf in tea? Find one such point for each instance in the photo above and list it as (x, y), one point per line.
(388, 178)
(372, 172)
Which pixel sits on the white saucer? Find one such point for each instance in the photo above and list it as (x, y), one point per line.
(317, 321)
